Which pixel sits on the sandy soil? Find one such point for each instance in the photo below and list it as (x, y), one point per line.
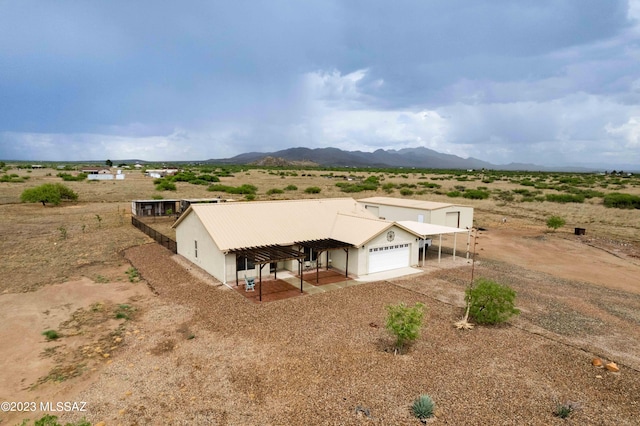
(579, 258)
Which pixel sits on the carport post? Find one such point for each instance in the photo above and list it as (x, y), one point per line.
(468, 242)
(455, 235)
(440, 249)
(300, 271)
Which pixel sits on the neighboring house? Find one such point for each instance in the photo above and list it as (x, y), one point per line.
(96, 170)
(231, 240)
(160, 173)
(400, 209)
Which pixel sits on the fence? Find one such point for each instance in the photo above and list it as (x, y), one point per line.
(163, 240)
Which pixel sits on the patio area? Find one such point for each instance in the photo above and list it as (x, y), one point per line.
(288, 285)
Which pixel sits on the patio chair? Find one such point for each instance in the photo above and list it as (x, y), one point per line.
(249, 284)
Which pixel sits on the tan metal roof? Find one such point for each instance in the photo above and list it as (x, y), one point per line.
(407, 202)
(425, 229)
(252, 224)
(358, 230)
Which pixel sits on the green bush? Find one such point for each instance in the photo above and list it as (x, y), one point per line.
(555, 222)
(423, 407)
(312, 190)
(52, 193)
(165, 185)
(404, 322)
(71, 178)
(490, 302)
(275, 191)
(242, 189)
(291, 188)
(565, 198)
(51, 334)
(406, 192)
(622, 201)
(454, 194)
(51, 420)
(476, 194)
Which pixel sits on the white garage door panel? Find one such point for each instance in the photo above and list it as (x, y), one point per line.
(389, 257)
(452, 219)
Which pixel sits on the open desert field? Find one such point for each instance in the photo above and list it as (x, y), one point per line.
(146, 338)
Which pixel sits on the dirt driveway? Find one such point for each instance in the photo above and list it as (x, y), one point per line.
(598, 261)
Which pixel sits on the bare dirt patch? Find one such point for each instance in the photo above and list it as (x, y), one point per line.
(83, 313)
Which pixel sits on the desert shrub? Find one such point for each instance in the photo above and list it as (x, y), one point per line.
(423, 407)
(476, 194)
(622, 201)
(242, 189)
(51, 420)
(291, 188)
(555, 222)
(312, 190)
(165, 185)
(565, 410)
(505, 196)
(71, 178)
(454, 194)
(430, 185)
(13, 178)
(406, 192)
(133, 274)
(490, 302)
(388, 187)
(565, 198)
(275, 191)
(51, 334)
(52, 193)
(404, 322)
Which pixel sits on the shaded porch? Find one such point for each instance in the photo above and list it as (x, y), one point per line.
(287, 284)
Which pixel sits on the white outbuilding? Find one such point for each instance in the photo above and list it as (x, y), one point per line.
(397, 209)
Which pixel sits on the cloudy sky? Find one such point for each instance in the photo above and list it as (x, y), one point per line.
(550, 82)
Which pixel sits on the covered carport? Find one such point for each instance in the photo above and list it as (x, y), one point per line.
(426, 230)
(265, 255)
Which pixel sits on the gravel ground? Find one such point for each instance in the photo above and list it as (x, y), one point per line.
(201, 354)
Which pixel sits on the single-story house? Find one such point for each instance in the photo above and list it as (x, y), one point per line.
(160, 173)
(400, 209)
(236, 240)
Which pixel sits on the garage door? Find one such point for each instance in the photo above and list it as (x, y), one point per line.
(389, 257)
(453, 219)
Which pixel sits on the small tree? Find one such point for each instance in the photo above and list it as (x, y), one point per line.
(109, 163)
(404, 322)
(555, 222)
(490, 302)
(52, 193)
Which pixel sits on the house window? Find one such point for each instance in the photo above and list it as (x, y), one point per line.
(195, 247)
(244, 263)
(309, 254)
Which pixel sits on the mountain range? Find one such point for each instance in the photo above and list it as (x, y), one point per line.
(419, 157)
